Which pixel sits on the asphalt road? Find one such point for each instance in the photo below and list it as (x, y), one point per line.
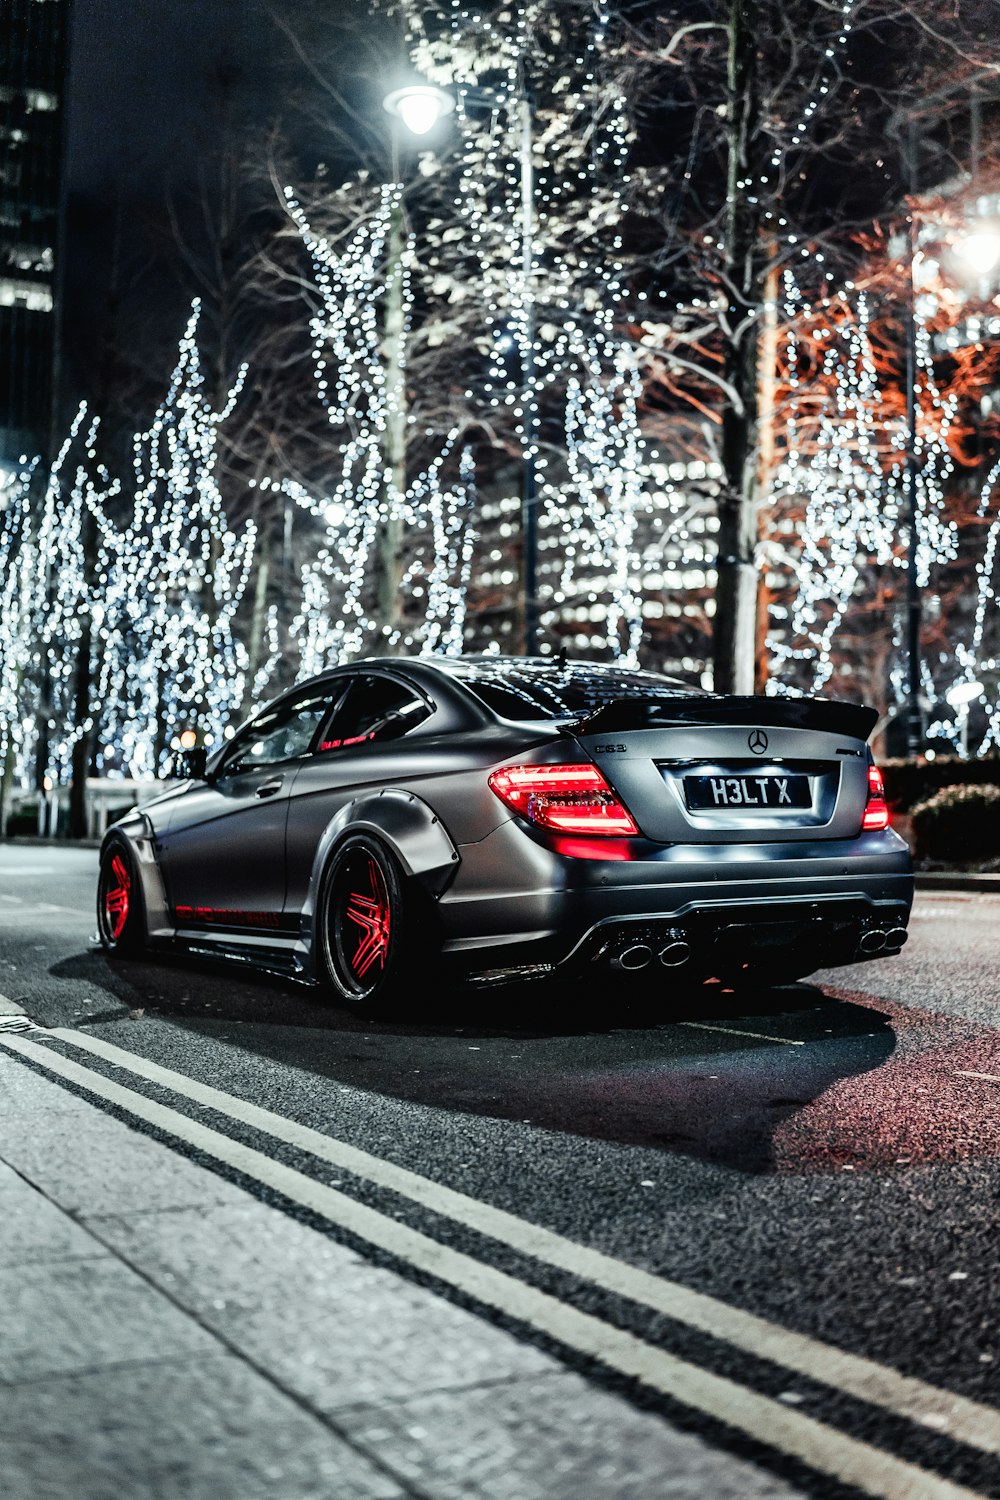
(523, 1246)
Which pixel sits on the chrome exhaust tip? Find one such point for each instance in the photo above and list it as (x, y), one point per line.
(896, 937)
(674, 954)
(637, 956)
(872, 941)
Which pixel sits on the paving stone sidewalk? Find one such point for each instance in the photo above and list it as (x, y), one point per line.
(164, 1335)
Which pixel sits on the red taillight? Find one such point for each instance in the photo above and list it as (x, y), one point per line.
(569, 799)
(876, 811)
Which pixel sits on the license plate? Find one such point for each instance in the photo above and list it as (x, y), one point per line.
(747, 791)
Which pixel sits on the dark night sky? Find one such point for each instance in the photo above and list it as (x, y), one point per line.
(147, 80)
(141, 85)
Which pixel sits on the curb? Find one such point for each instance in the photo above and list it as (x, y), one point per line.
(942, 880)
(27, 841)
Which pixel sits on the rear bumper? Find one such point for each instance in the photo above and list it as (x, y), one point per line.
(568, 912)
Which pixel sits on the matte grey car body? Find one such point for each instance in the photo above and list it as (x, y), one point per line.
(743, 855)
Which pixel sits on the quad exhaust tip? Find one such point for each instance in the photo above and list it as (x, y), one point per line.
(879, 939)
(638, 956)
(675, 954)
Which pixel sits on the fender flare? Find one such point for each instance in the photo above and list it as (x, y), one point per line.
(137, 831)
(411, 829)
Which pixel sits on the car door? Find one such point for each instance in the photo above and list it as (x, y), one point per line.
(362, 746)
(223, 854)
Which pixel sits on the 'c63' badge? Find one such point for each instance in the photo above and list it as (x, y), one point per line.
(758, 742)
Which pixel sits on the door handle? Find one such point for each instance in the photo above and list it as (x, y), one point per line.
(268, 788)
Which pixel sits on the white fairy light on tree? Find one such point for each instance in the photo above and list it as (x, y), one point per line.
(18, 616)
(360, 394)
(846, 468)
(539, 179)
(605, 460)
(175, 575)
(70, 597)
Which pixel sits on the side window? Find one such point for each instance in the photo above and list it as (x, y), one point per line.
(374, 708)
(282, 734)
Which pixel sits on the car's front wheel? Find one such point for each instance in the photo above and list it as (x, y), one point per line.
(120, 921)
(368, 927)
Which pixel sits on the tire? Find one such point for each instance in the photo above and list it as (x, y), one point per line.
(120, 914)
(367, 927)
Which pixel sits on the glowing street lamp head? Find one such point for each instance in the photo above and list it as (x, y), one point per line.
(419, 106)
(963, 693)
(979, 249)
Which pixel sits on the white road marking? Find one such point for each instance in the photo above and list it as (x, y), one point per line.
(772, 1422)
(965, 1420)
(987, 1077)
(29, 911)
(760, 1036)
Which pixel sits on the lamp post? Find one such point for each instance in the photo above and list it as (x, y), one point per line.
(420, 106)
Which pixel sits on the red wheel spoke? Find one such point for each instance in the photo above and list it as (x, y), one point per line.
(371, 913)
(116, 898)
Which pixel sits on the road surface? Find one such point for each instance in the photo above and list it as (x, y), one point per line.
(520, 1248)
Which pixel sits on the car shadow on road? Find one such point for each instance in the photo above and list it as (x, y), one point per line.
(707, 1073)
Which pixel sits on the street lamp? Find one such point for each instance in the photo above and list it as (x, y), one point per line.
(961, 697)
(419, 105)
(979, 249)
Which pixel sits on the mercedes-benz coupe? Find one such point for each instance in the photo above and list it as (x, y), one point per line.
(495, 819)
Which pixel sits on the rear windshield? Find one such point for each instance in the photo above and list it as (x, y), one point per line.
(573, 691)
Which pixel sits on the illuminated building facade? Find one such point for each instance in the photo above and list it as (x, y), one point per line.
(33, 56)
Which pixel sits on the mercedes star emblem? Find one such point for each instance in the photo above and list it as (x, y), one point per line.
(758, 742)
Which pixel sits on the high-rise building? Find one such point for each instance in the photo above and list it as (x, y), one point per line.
(33, 60)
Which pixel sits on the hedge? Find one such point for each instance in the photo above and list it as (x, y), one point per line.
(959, 823)
(909, 782)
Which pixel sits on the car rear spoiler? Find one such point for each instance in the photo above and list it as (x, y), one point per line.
(826, 714)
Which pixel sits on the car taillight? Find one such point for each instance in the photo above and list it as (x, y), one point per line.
(876, 810)
(569, 799)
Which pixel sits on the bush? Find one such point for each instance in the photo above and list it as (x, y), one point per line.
(959, 824)
(908, 782)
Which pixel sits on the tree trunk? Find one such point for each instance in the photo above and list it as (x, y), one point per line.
(83, 674)
(736, 598)
(767, 456)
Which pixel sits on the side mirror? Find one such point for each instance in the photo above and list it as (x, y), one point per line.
(191, 765)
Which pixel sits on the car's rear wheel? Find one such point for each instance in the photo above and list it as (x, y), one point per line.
(369, 942)
(120, 916)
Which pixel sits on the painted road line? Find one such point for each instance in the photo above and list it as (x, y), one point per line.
(759, 1036)
(986, 1077)
(779, 1427)
(965, 1420)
